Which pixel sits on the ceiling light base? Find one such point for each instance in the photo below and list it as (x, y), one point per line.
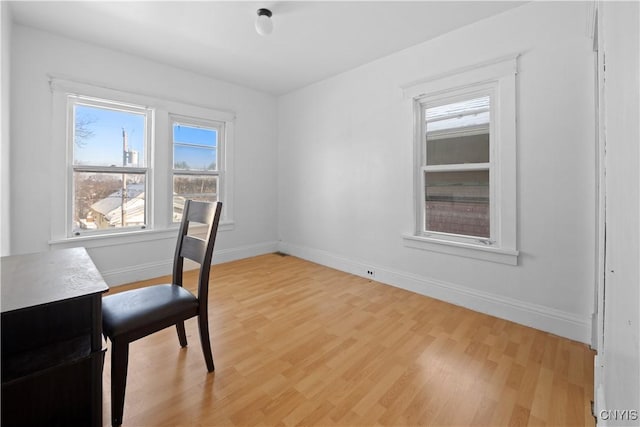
(264, 25)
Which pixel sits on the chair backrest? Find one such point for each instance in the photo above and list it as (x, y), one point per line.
(195, 248)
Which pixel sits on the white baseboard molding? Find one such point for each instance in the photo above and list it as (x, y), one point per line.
(547, 319)
(146, 271)
(134, 273)
(248, 251)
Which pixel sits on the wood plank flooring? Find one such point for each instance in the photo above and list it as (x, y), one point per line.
(295, 343)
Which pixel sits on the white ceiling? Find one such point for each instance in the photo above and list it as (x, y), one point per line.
(310, 41)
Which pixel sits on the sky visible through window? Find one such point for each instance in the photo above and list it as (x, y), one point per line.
(100, 134)
(194, 147)
(99, 139)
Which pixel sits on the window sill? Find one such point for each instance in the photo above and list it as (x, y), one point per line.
(126, 237)
(485, 253)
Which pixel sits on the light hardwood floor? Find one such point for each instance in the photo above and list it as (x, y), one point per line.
(295, 343)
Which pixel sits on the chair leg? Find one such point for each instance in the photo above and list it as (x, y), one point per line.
(182, 335)
(203, 324)
(119, 361)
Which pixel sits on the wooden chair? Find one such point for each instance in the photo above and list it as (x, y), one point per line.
(134, 314)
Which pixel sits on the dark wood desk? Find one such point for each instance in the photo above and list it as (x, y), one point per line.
(52, 345)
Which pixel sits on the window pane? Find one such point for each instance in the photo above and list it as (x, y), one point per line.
(457, 202)
(458, 150)
(102, 200)
(194, 147)
(458, 133)
(194, 158)
(193, 187)
(108, 137)
(195, 135)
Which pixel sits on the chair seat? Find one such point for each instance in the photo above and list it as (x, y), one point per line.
(129, 311)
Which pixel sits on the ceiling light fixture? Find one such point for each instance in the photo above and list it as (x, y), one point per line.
(264, 25)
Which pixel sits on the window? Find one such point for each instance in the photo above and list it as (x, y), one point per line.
(457, 168)
(109, 166)
(124, 163)
(196, 169)
(464, 156)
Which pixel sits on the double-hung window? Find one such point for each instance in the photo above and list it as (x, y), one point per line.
(456, 169)
(464, 157)
(196, 165)
(110, 143)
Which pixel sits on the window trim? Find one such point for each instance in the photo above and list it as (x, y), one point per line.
(498, 79)
(160, 192)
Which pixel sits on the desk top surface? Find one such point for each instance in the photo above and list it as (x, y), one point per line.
(47, 277)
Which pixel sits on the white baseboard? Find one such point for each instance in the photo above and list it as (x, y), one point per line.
(248, 251)
(134, 273)
(146, 271)
(547, 319)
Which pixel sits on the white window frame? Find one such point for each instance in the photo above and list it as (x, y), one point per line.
(497, 79)
(72, 101)
(159, 182)
(220, 127)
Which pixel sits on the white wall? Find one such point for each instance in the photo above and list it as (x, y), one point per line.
(36, 54)
(5, 86)
(618, 371)
(345, 162)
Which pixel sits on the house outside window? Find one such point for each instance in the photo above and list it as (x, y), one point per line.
(464, 157)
